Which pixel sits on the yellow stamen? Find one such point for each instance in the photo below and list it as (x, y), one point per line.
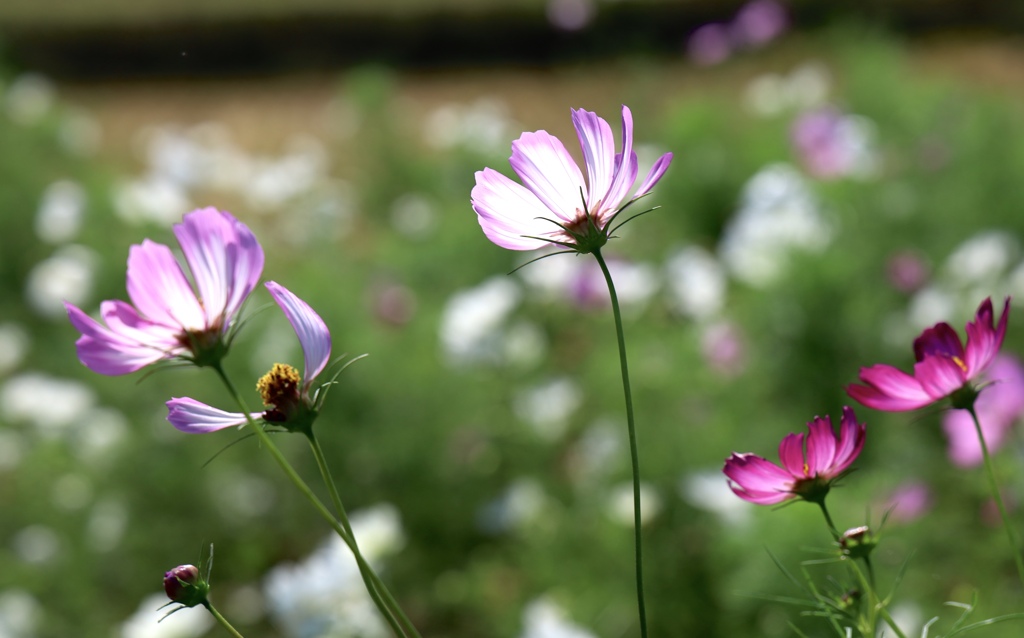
(279, 387)
(959, 362)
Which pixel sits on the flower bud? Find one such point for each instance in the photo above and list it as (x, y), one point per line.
(858, 542)
(184, 585)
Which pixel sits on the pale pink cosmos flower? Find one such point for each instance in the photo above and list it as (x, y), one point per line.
(807, 471)
(554, 204)
(944, 368)
(908, 502)
(286, 396)
(168, 318)
(998, 408)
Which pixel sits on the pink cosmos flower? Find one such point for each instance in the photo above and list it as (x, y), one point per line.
(168, 318)
(807, 471)
(554, 205)
(998, 408)
(286, 395)
(944, 368)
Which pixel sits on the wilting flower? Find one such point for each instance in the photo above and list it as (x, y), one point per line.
(554, 205)
(944, 368)
(286, 395)
(166, 318)
(805, 473)
(998, 408)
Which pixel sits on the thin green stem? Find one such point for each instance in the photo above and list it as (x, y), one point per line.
(634, 455)
(393, 613)
(877, 604)
(828, 520)
(994, 485)
(221, 619)
(342, 530)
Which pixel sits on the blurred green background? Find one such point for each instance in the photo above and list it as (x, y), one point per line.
(841, 181)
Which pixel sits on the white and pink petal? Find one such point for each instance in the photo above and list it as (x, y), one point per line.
(195, 417)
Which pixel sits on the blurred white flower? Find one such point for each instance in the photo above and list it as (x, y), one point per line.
(48, 403)
(620, 504)
(35, 544)
(106, 526)
(413, 215)
(101, 430)
(71, 492)
(79, 133)
(67, 275)
(543, 618)
(152, 198)
(516, 508)
(324, 594)
(777, 215)
(29, 98)
(473, 321)
(20, 613)
(805, 87)
(930, 305)
(14, 344)
(696, 282)
(596, 454)
(547, 407)
(147, 623)
(832, 144)
(60, 213)
(708, 490)
(482, 125)
(275, 181)
(981, 259)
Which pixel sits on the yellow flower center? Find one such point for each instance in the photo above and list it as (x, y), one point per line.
(279, 388)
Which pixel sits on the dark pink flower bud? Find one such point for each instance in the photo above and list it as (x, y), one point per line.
(184, 585)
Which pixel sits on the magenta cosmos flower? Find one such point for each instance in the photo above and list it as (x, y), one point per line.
(807, 471)
(168, 318)
(554, 205)
(944, 368)
(286, 396)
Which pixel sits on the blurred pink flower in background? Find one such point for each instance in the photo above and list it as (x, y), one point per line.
(724, 349)
(907, 271)
(908, 502)
(709, 44)
(805, 473)
(833, 144)
(944, 368)
(999, 406)
(759, 22)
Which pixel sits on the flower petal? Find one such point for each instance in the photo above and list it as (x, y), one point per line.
(940, 340)
(509, 213)
(756, 480)
(548, 170)
(851, 442)
(940, 376)
(791, 453)
(889, 389)
(654, 175)
(106, 352)
(311, 330)
(984, 340)
(195, 417)
(598, 145)
(821, 447)
(159, 289)
(625, 172)
(225, 258)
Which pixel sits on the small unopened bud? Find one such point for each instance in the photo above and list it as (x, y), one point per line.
(184, 585)
(849, 600)
(858, 542)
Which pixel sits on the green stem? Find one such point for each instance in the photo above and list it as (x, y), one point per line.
(828, 520)
(301, 485)
(221, 619)
(393, 613)
(994, 485)
(877, 605)
(634, 455)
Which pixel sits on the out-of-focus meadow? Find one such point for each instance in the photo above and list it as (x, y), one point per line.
(834, 191)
